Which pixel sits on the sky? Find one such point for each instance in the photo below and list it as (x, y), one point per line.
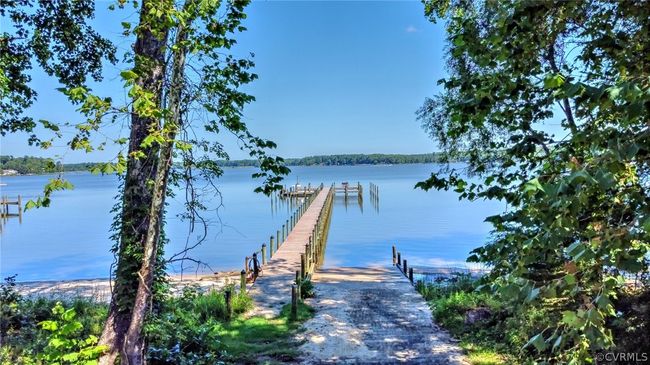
(334, 77)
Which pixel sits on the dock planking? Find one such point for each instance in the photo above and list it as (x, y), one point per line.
(272, 289)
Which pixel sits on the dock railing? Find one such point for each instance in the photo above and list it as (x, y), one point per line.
(255, 263)
(429, 274)
(314, 251)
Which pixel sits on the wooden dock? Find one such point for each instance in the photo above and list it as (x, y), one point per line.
(349, 189)
(295, 258)
(5, 211)
(297, 191)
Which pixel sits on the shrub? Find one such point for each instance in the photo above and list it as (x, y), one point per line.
(306, 289)
(186, 329)
(10, 301)
(63, 343)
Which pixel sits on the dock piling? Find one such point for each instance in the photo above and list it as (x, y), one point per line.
(242, 282)
(294, 302)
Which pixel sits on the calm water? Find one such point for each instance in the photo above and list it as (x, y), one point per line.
(70, 239)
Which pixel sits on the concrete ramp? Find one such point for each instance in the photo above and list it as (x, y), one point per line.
(373, 316)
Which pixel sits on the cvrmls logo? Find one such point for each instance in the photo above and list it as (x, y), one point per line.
(622, 356)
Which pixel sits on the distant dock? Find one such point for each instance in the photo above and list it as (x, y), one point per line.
(6, 211)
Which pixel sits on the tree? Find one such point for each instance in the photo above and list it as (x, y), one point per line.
(578, 212)
(182, 63)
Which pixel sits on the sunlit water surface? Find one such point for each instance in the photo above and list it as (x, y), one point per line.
(71, 238)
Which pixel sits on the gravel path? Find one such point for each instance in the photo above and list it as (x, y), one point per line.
(373, 316)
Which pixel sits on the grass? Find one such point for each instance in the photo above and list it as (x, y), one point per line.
(193, 328)
(450, 300)
(482, 355)
(262, 340)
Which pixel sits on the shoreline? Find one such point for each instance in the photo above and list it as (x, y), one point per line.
(243, 166)
(99, 290)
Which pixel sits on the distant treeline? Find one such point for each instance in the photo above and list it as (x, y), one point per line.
(39, 165)
(339, 160)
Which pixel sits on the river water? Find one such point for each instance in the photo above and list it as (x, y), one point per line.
(71, 238)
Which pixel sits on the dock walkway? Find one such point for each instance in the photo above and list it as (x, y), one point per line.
(272, 289)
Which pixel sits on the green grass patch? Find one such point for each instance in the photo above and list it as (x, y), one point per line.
(484, 341)
(262, 340)
(481, 355)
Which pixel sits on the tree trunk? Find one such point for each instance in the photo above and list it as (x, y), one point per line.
(134, 342)
(137, 195)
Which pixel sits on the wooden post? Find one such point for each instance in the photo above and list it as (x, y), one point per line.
(242, 282)
(228, 304)
(271, 246)
(399, 258)
(394, 254)
(411, 275)
(294, 302)
(246, 264)
(405, 268)
(264, 254)
(298, 282)
(277, 236)
(284, 233)
(302, 265)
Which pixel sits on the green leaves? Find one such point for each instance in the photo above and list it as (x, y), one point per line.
(554, 81)
(63, 346)
(578, 205)
(571, 319)
(532, 186)
(53, 185)
(538, 342)
(129, 76)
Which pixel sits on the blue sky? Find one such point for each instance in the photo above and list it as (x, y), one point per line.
(334, 77)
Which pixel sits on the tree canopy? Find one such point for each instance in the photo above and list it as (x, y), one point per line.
(578, 212)
(183, 82)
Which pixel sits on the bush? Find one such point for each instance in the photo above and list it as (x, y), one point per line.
(10, 301)
(63, 343)
(306, 289)
(452, 298)
(186, 329)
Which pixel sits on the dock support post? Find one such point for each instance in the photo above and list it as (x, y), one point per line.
(405, 268)
(298, 282)
(302, 265)
(271, 246)
(264, 254)
(411, 275)
(399, 258)
(294, 302)
(242, 282)
(394, 254)
(277, 237)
